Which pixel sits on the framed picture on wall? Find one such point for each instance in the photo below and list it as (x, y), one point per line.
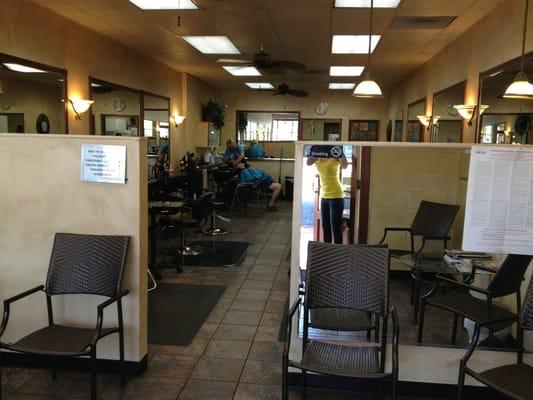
(414, 131)
(364, 130)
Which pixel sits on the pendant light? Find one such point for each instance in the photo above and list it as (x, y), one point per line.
(369, 88)
(521, 88)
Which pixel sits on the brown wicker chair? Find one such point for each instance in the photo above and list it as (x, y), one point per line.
(80, 264)
(345, 277)
(512, 380)
(506, 281)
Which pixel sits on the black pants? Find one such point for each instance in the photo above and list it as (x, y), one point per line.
(331, 210)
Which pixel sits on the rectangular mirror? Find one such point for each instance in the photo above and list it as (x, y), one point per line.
(33, 97)
(116, 110)
(156, 115)
(506, 121)
(449, 125)
(397, 133)
(415, 129)
(321, 129)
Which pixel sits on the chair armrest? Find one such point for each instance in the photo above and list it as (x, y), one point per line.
(100, 312)
(395, 339)
(463, 285)
(392, 229)
(288, 327)
(7, 303)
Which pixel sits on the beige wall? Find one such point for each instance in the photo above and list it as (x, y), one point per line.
(341, 106)
(49, 197)
(34, 33)
(495, 39)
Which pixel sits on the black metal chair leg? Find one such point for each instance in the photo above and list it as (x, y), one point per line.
(0, 375)
(122, 362)
(454, 331)
(461, 382)
(285, 383)
(93, 372)
(421, 313)
(304, 385)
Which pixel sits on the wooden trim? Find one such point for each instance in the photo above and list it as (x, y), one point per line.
(300, 126)
(364, 194)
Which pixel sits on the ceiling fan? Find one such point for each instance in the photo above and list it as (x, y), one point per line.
(284, 89)
(264, 62)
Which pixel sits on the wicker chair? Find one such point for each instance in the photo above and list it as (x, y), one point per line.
(345, 277)
(512, 380)
(506, 281)
(80, 264)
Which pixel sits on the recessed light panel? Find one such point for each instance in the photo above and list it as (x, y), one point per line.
(346, 71)
(212, 44)
(165, 4)
(353, 44)
(242, 71)
(366, 3)
(23, 68)
(259, 85)
(341, 86)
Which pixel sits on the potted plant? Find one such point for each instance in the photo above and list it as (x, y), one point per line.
(213, 111)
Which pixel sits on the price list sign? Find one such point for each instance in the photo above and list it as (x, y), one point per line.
(103, 163)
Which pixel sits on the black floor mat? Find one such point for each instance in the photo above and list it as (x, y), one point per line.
(215, 254)
(177, 312)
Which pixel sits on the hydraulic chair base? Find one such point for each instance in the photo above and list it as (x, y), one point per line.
(216, 232)
(190, 251)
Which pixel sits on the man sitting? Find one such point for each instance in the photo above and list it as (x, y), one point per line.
(256, 175)
(234, 154)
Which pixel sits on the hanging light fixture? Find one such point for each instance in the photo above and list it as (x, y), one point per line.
(521, 88)
(369, 88)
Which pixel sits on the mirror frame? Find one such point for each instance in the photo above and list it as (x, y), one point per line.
(487, 74)
(236, 137)
(407, 120)
(167, 99)
(435, 94)
(49, 68)
(301, 126)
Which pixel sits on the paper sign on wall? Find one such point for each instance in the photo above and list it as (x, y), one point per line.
(103, 163)
(499, 202)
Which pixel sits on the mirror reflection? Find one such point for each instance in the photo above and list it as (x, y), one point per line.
(116, 109)
(404, 183)
(506, 121)
(415, 129)
(156, 124)
(449, 124)
(321, 129)
(32, 97)
(397, 127)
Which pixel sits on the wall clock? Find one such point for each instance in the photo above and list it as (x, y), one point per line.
(119, 105)
(321, 108)
(452, 111)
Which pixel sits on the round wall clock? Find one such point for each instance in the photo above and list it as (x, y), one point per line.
(43, 124)
(119, 105)
(452, 111)
(321, 108)
(6, 107)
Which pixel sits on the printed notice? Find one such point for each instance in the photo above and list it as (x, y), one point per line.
(499, 202)
(103, 163)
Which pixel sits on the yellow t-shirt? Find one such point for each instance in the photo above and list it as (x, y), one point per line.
(330, 183)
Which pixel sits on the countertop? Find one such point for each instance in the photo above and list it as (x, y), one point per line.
(270, 159)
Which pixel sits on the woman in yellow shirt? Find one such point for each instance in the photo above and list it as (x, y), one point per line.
(331, 195)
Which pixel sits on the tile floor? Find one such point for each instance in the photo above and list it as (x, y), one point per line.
(235, 355)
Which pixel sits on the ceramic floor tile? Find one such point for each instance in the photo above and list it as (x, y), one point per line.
(266, 351)
(207, 390)
(235, 332)
(172, 366)
(253, 294)
(218, 369)
(237, 349)
(247, 391)
(248, 305)
(242, 317)
(264, 372)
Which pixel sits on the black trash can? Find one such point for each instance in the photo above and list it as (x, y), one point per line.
(289, 187)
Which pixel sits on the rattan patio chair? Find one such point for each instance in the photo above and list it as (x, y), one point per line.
(505, 282)
(79, 264)
(512, 380)
(348, 277)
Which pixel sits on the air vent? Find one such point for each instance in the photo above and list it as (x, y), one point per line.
(422, 22)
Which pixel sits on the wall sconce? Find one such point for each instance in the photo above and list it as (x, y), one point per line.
(426, 119)
(468, 112)
(80, 106)
(177, 119)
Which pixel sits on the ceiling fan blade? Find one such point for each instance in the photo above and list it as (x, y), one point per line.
(297, 93)
(284, 64)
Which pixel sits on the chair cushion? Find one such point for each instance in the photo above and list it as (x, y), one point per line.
(514, 379)
(57, 339)
(341, 360)
(339, 319)
(469, 307)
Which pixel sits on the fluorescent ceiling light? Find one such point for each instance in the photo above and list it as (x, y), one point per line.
(242, 71)
(23, 68)
(95, 84)
(366, 3)
(341, 86)
(346, 71)
(259, 85)
(353, 44)
(165, 4)
(212, 44)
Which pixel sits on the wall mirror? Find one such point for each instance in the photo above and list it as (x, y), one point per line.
(397, 127)
(415, 129)
(32, 97)
(321, 129)
(156, 126)
(394, 181)
(448, 127)
(116, 110)
(506, 121)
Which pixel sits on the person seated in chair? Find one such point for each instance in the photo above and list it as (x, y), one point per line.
(256, 175)
(234, 154)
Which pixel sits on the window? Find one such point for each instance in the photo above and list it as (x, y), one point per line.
(148, 128)
(284, 130)
(267, 126)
